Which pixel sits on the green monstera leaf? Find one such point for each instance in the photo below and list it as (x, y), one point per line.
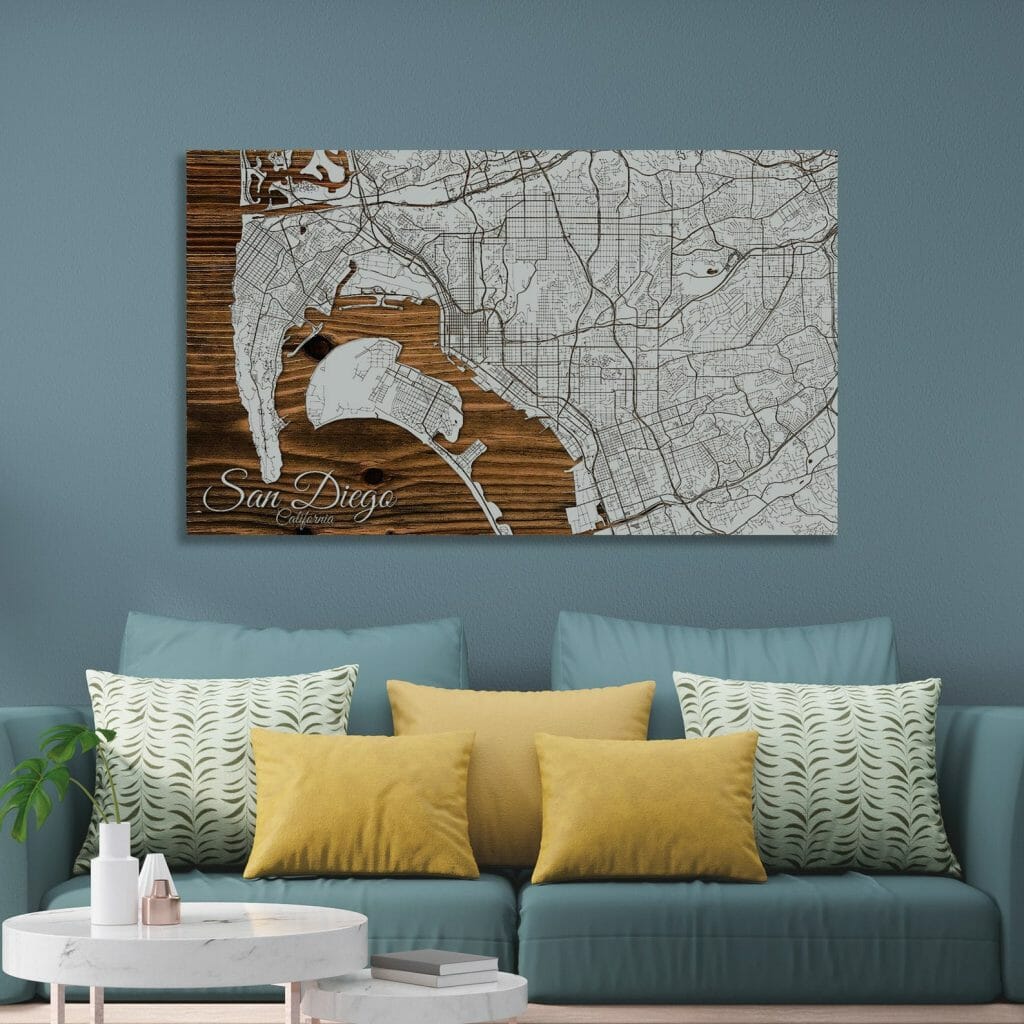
(33, 784)
(27, 793)
(62, 742)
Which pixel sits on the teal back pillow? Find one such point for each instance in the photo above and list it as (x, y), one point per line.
(593, 650)
(431, 653)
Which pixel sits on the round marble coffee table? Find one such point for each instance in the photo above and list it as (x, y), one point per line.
(360, 999)
(216, 945)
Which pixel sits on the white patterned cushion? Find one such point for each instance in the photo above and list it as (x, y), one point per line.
(182, 759)
(844, 776)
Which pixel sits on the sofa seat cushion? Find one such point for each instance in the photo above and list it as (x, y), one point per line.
(471, 916)
(849, 938)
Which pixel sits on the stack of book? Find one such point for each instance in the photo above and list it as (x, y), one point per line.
(434, 968)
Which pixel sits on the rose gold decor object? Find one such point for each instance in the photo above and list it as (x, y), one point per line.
(160, 906)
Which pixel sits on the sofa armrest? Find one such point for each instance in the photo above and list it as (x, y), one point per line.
(981, 784)
(28, 870)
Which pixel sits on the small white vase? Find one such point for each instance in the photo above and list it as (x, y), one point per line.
(114, 877)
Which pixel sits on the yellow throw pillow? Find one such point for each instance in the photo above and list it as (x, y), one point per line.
(653, 809)
(361, 805)
(504, 782)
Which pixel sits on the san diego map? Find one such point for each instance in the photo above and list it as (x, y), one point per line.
(650, 333)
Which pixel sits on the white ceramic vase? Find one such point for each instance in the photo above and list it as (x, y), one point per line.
(114, 877)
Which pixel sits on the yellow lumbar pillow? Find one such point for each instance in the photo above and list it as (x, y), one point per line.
(650, 809)
(361, 805)
(504, 782)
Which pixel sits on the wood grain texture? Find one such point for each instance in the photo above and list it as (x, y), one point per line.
(271, 1013)
(525, 470)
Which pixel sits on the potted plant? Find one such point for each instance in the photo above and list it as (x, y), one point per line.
(114, 874)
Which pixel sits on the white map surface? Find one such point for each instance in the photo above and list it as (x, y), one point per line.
(669, 314)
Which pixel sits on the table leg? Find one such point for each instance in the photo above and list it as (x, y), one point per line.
(95, 1006)
(292, 1000)
(56, 1004)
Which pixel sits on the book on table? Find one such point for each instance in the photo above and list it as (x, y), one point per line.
(435, 980)
(434, 968)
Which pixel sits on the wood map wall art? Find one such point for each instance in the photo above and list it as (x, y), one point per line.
(623, 342)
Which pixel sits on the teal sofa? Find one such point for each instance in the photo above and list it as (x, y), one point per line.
(823, 938)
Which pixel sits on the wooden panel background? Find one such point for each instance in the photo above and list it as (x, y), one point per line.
(524, 470)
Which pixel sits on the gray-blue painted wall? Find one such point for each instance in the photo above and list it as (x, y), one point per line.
(98, 103)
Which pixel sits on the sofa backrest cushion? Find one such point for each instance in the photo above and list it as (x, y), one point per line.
(593, 650)
(431, 653)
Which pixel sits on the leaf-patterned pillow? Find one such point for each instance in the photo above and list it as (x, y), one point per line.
(182, 760)
(844, 776)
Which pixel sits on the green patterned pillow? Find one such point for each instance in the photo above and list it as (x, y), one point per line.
(182, 760)
(844, 776)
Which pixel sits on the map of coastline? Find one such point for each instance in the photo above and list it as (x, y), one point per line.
(364, 379)
(668, 315)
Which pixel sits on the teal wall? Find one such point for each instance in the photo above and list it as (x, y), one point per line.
(98, 103)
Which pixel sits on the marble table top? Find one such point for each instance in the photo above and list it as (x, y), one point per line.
(216, 945)
(360, 999)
